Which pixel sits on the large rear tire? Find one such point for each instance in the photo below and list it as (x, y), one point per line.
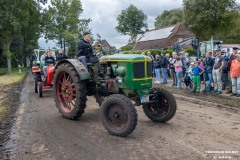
(69, 92)
(118, 115)
(164, 107)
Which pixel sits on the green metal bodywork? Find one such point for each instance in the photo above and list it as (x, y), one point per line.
(123, 66)
(40, 63)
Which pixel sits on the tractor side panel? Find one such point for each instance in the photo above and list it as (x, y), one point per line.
(50, 71)
(80, 68)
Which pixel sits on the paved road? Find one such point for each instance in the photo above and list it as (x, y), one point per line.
(39, 132)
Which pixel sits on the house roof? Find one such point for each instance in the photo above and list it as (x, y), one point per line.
(103, 42)
(162, 37)
(155, 34)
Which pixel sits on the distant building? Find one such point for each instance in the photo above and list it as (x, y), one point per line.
(163, 37)
(105, 45)
(229, 47)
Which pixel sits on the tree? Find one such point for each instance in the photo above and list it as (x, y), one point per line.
(131, 21)
(14, 15)
(63, 23)
(169, 17)
(208, 18)
(126, 48)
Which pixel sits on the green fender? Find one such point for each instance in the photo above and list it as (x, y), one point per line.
(80, 68)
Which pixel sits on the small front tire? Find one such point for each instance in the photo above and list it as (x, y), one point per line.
(39, 86)
(118, 115)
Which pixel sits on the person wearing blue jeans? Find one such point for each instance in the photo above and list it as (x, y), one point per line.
(156, 64)
(179, 79)
(164, 65)
(217, 72)
(179, 71)
(208, 75)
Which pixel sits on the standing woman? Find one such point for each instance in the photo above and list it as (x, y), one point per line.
(172, 69)
(235, 75)
(201, 65)
(157, 67)
(179, 71)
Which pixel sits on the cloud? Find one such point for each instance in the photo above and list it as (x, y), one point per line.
(104, 15)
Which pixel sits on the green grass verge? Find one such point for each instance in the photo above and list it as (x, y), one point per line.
(14, 77)
(7, 83)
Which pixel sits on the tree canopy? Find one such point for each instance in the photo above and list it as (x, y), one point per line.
(169, 17)
(208, 18)
(19, 26)
(131, 21)
(63, 22)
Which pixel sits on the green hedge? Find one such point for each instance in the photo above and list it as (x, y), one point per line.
(157, 51)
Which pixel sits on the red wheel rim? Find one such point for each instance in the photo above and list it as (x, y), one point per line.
(65, 92)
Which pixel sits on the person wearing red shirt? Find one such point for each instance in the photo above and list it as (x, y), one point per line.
(235, 75)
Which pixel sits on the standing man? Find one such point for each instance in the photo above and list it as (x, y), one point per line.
(188, 59)
(184, 62)
(153, 69)
(172, 69)
(164, 65)
(235, 51)
(85, 50)
(217, 72)
(208, 76)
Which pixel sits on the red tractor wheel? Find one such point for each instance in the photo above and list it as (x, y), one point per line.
(69, 92)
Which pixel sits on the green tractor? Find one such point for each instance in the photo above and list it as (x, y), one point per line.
(118, 83)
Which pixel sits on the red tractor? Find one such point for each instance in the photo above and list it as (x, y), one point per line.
(41, 82)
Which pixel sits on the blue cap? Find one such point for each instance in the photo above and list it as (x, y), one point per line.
(217, 49)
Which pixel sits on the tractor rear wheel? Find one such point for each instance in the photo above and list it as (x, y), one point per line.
(164, 107)
(39, 88)
(69, 92)
(118, 115)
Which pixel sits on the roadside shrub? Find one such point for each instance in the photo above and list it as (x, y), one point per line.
(126, 48)
(190, 51)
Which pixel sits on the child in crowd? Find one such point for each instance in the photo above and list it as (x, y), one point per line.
(197, 71)
(188, 76)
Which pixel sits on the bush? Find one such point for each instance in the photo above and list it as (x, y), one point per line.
(126, 48)
(190, 51)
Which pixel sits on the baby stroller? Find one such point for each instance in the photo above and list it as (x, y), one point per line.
(188, 81)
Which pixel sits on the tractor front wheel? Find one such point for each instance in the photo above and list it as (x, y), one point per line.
(118, 115)
(163, 107)
(36, 83)
(39, 88)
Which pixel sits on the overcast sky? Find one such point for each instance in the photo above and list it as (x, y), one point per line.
(103, 14)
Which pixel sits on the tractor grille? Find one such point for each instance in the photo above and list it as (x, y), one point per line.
(139, 72)
(149, 69)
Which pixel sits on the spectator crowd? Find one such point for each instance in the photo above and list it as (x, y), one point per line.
(216, 71)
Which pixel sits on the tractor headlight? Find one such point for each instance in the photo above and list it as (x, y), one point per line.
(119, 79)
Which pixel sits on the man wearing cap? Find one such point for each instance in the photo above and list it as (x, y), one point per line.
(235, 51)
(85, 50)
(217, 72)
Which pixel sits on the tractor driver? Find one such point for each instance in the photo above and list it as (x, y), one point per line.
(49, 60)
(85, 51)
